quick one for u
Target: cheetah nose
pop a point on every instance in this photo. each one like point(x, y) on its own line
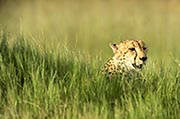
point(143, 58)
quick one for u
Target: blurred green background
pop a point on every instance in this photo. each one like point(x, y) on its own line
point(89, 25)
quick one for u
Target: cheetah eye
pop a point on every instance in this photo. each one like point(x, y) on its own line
point(132, 49)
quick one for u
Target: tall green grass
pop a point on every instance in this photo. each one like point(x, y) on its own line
point(47, 84)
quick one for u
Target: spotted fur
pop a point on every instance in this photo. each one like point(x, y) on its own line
point(129, 56)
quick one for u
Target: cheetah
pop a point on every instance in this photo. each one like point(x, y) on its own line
point(129, 56)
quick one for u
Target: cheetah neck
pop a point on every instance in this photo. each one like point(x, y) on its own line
point(119, 64)
point(115, 66)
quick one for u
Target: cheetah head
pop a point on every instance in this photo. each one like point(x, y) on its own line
point(131, 53)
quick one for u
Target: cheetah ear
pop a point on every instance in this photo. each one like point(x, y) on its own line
point(113, 46)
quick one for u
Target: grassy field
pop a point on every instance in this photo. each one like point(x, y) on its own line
point(51, 54)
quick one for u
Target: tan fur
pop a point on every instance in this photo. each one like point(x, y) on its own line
point(128, 56)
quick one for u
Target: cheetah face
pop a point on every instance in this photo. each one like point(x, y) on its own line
point(131, 53)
